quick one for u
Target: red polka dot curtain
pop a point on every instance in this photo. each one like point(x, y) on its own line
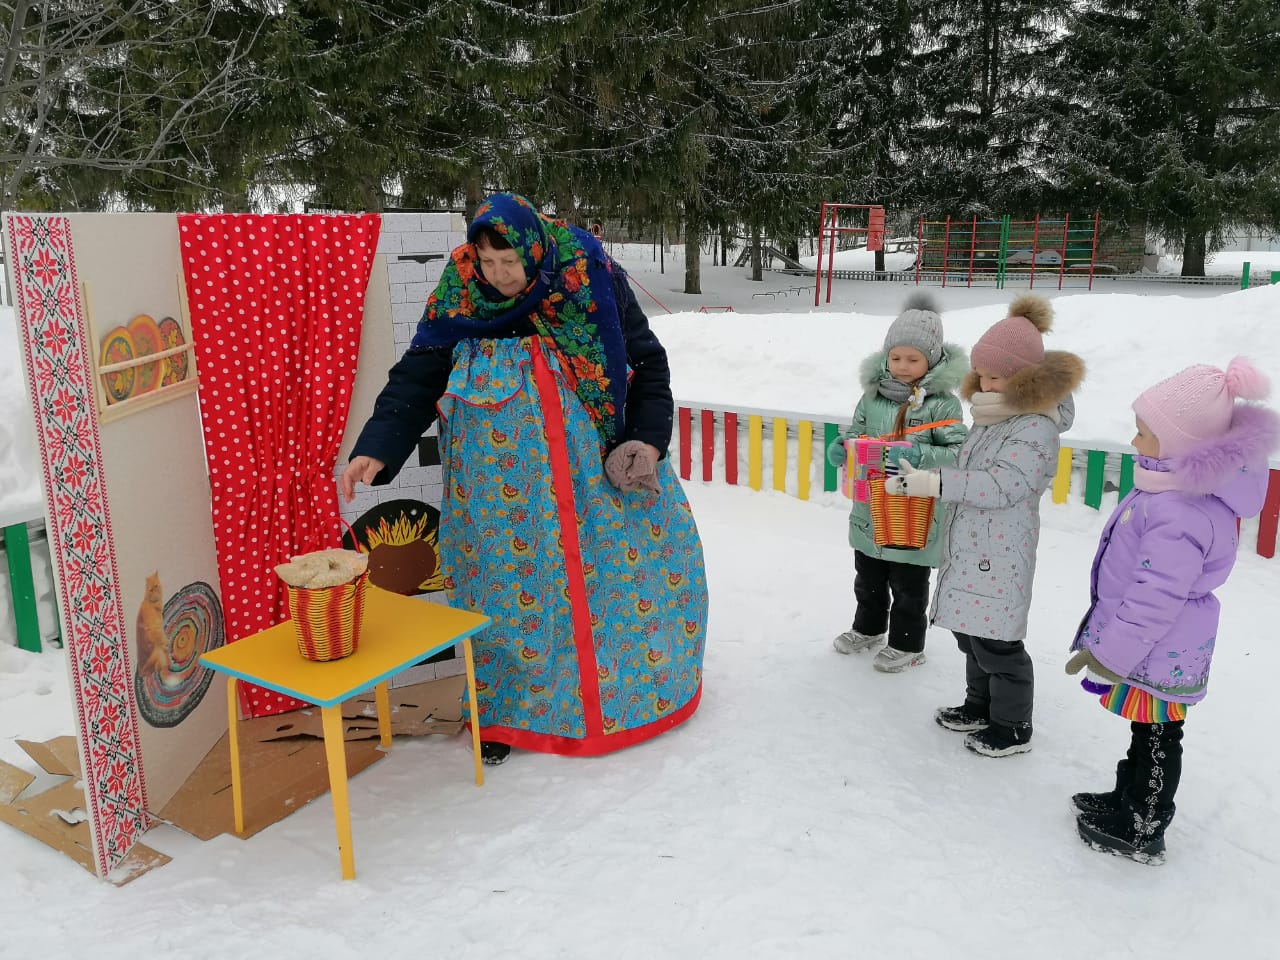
point(276, 304)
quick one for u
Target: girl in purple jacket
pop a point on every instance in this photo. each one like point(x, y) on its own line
point(1148, 638)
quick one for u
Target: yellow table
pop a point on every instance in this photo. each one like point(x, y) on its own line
point(398, 632)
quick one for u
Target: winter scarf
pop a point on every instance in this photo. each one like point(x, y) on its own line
point(989, 408)
point(1039, 389)
point(899, 391)
point(569, 300)
point(1154, 476)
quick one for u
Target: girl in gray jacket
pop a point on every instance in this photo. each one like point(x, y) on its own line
point(1021, 400)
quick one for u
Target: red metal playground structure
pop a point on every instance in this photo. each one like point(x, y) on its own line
point(966, 251)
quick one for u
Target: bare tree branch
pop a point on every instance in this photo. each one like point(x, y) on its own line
point(114, 86)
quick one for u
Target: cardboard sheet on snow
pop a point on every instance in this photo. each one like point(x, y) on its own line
point(283, 764)
point(56, 816)
point(279, 777)
point(417, 710)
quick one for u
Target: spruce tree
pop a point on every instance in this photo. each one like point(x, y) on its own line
point(767, 166)
point(1169, 110)
point(867, 87)
point(977, 71)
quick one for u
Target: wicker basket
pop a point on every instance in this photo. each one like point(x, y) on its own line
point(327, 620)
point(899, 522)
point(866, 460)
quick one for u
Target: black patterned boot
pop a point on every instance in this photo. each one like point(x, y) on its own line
point(1136, 830)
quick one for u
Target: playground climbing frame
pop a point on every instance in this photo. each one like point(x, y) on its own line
point(985, 251)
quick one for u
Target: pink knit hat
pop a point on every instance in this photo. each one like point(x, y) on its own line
point(1016, 342)
point(1197, 404)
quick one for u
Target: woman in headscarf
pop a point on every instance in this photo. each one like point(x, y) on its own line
point(561, 518)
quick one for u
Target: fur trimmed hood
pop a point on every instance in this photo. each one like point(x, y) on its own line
point(945, 376)
point(1038, 389)
point(1234, 466)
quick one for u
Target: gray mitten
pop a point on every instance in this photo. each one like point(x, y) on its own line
point(633, 465)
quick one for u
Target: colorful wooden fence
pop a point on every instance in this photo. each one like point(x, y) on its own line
point(790, 448)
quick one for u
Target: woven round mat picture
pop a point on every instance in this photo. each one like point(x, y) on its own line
point(169, 681)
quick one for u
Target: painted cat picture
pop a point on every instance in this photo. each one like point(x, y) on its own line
point(153, 647)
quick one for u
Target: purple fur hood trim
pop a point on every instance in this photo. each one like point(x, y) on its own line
point(1216, 467)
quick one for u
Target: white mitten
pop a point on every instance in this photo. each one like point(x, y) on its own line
point(914, 482)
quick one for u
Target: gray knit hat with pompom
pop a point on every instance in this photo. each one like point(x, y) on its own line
point(918, 325)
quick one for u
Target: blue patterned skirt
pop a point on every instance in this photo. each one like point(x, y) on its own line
point(598, 598)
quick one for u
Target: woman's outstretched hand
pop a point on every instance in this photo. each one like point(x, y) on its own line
point(359, 470)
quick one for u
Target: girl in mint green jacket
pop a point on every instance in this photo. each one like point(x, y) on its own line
point(908, 385)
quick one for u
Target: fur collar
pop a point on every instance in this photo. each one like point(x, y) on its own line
point(1037, 389)
point(1253, 435)
point(945, 376)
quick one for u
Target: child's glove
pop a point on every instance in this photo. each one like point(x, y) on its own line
point(914, 483)
point(837, 455)
point(633, 465)
point(1097, 678)
point(911, 454)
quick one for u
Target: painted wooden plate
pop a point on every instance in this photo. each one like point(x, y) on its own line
point(117, 346)
point(175, 367)
point(146, 339)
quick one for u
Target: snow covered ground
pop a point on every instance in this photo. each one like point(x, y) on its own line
point(811, 809)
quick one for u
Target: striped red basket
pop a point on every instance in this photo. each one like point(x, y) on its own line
point(327, 620)
point(901, 522)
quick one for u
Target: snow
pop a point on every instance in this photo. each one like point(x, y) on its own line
point(20, 496)
point(811, 808)
point(1229, 263)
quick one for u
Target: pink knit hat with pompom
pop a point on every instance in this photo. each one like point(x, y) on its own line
point(1197, 404)
point(1017, 341)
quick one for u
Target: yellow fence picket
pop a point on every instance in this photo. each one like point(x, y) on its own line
point(755, 452)
point(805, 433)
point(1062, 479)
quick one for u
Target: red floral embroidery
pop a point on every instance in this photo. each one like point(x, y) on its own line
point(49, 318)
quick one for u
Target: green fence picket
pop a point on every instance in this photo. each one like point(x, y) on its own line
point(1126, 474)
point(17, 550)
point(830, 474)
point(1095, 464)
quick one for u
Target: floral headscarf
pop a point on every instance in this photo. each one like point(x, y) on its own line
point(569, 300)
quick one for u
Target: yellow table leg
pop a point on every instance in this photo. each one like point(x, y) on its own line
point(382, 696)
point(336, 751)
point(233, 737)
point(475, 709)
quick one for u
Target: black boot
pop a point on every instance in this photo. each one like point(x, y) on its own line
point(494, 753)
point(1000, 740)
point(964, 718)
point(1136, 830)
point(1108, 802)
